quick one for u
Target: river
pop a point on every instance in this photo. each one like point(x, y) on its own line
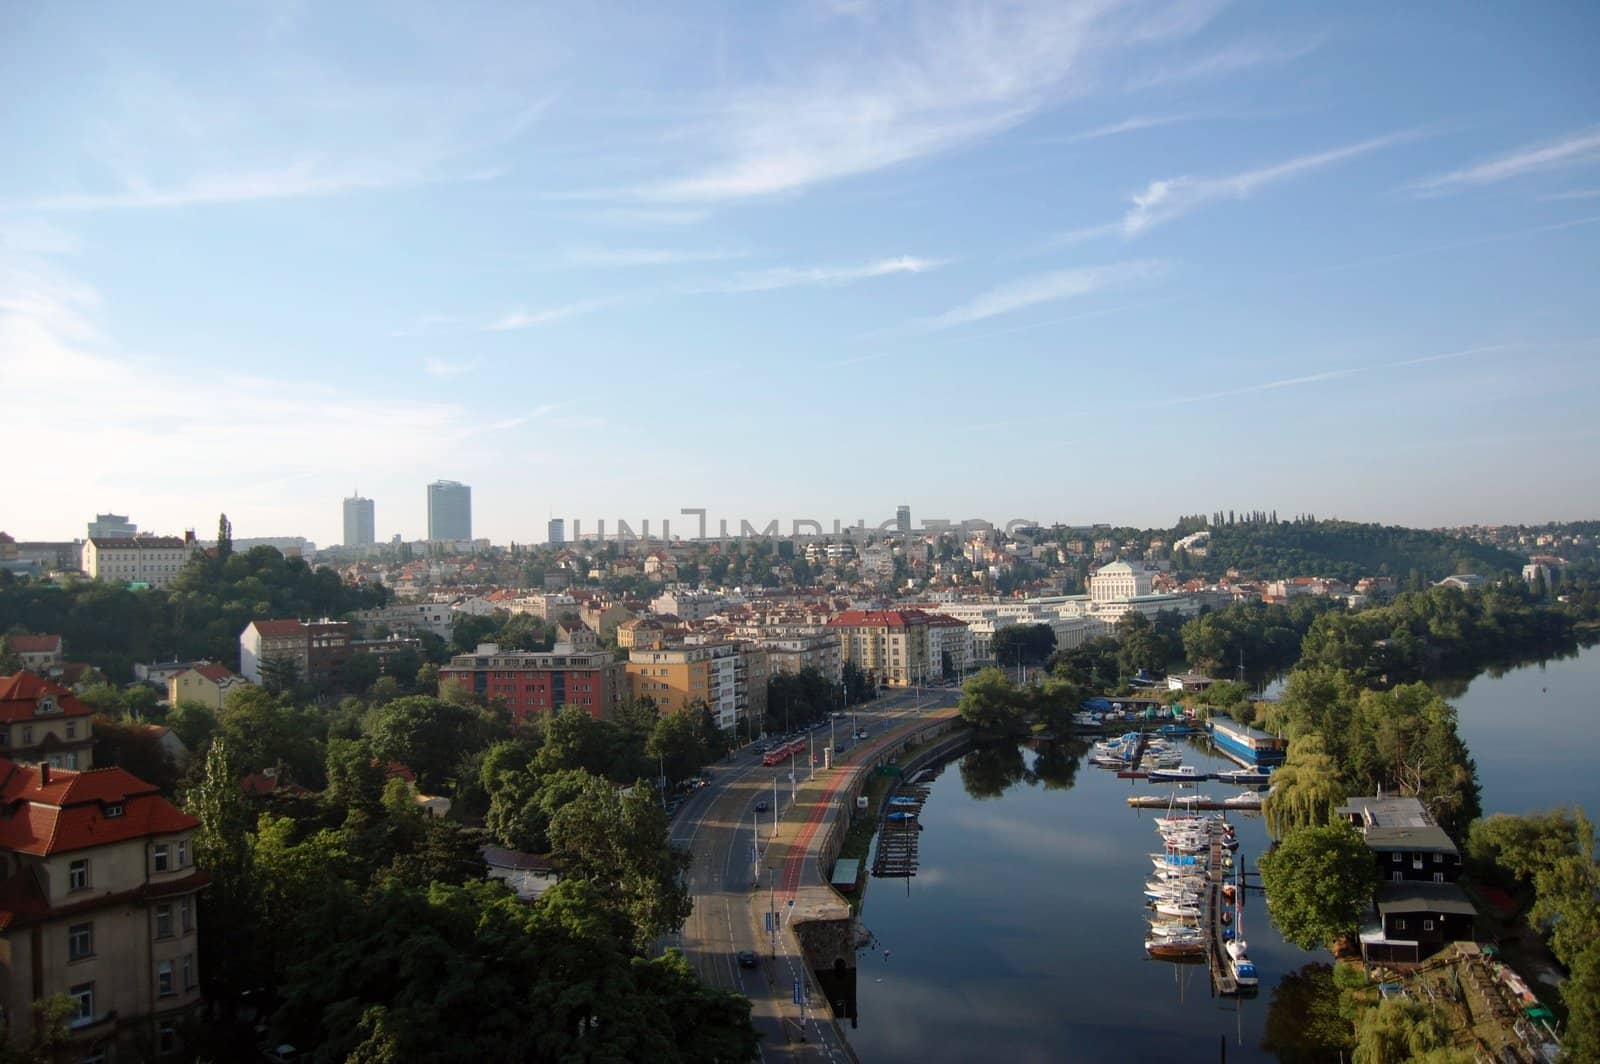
point(1021, 936)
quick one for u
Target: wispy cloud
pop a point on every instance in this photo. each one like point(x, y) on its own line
point(942, 78)
point(438, 367)
point(1574, 194)
point(625, 257)
point(295, 180)
point(524, 319)
point(1572, 150)
point(1046, 288)
point(1171, 198)
point(793, 277)
point(1233, 59)
point(1117, 129)
point(1328, 375)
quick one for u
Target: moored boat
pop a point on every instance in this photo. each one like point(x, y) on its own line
point(1181, 774)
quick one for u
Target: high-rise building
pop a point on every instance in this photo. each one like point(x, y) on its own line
point(558, 532)
point(902, 519)
point(112, 526)
point(359, 527)
point(449, 510)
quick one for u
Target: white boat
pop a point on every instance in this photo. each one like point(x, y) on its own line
point(1183, 909)
point(1193, 799)
point(1180, 774)
point(1173, 930)
point(1243, 800)
point(1163, 861)
point(1176, 895)
point(1245, 777)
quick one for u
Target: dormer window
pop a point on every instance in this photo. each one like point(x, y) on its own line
point(47, 704)
point(113, 810)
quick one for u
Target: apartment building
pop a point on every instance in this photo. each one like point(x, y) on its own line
point(317, 649)
point(98, 903)
point(408, 618)
point(676, 676)
point(153, 560)
point(797, 652)
point(44, 723)
point(892, 646)
point(536, 683)
point(688, 605)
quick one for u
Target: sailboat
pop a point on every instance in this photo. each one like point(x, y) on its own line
point(1238, 950)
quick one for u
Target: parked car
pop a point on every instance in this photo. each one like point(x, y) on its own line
point(761, 806)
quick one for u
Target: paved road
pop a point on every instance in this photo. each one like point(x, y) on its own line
point(733, 889)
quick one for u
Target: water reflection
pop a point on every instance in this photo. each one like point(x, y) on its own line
point(1304, 1025)
point(991, 769)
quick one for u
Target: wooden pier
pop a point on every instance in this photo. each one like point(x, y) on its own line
point(1221, 972)
point(896, 857)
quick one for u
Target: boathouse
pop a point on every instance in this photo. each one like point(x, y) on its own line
point(1415, 919)
point(1249, 746)
point(1407, 845)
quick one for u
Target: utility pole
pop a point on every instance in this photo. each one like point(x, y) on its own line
point(772, 909)
point(813, 738)
point(774, 806)
point(755, 847)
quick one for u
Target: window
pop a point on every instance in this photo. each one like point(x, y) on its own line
point(80, 942)
point(163, 921)
point(27, 735)
point(164, 985)
point(78, 875)
point(82, 997)
point(72, 729)
point(1427, 925)
point(186, 913)
point(113, 810)
point(163, 855)
point(188, 971)
point(1438, 858)
point(1438, 877)
point(1399, 925)
point(1395, 857)
point(183, 855)
point(166, 1039)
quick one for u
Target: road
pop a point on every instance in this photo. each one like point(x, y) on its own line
point(733, 889)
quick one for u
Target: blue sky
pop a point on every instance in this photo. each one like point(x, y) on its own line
point(1113, 261)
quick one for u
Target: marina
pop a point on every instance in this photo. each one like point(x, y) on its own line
point(896, 856)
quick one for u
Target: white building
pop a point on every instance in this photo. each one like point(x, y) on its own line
point(1121, 581)
point(878, 560)
point(408, 618)
point(688, 605)
point(153, 560)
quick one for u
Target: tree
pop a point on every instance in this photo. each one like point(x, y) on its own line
point(137, 749)
point(1026, 644)
point(1399, 1030)
point(427, 735)
point(355, 779)
point(49, 1037)
point(675, 744)
point(194, 724)
point(1320, 880)
point(279, 674)
point(617, 842)
point(227, 909)
point(992, 705)
point(224, 540)
point(1306, 788)
point(359, 672)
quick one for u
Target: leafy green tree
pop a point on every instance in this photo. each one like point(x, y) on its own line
point(992, 705)
point(49, 1036)
point(355, 779)
point(427, 735)
point(194, 724)
point(279, 674)
point(1400, 1030)
point(1026, 644)
point(675, 744)
point(617, 842)
point(359, 672)
point(228, 964)
point(1306, 788)
point(1321, 880)
point(266, 731)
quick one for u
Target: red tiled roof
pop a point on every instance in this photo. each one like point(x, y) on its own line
point(69, 812)
point(34, 644)
point(278, 627)
point(19, 698)
point(216, 673)
point(878, 619)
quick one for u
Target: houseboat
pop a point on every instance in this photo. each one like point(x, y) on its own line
point(1249, 746)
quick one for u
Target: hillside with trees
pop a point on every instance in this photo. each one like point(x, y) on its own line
point(1271, 549)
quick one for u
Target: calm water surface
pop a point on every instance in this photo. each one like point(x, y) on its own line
point(1021, 937)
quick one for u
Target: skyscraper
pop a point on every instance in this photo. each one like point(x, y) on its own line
point(902, 519)
point(449, 510)
point(557, 532)
point(359, 528)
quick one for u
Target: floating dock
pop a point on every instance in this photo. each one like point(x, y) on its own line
point(1187, 803)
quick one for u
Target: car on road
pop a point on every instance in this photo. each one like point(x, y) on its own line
point(747, 958)
point(861, 734)
point(839, 749)
point(761, 806)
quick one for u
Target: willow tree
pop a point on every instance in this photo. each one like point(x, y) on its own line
point(1305, 789)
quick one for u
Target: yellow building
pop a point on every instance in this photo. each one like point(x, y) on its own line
point(205, 684)
point(677, 676)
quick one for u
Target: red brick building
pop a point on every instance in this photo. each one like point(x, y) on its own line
point(536, 683)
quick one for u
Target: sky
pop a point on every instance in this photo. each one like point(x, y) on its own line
point(1109, 261)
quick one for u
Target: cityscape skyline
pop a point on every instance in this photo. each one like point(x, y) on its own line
point(1150, 248)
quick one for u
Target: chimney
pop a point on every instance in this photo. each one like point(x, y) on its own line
point(44, 773)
